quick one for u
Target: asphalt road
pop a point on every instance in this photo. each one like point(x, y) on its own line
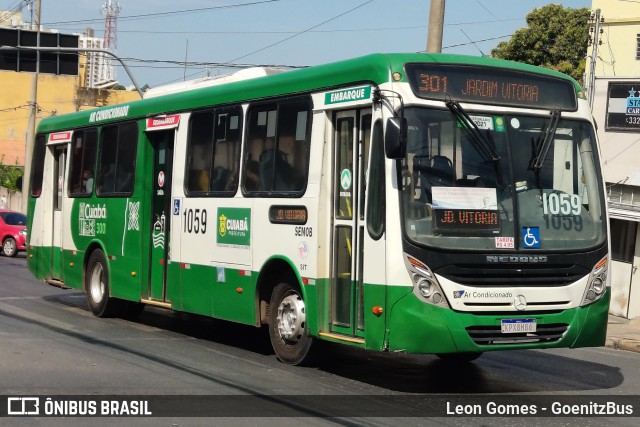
point(51, 345)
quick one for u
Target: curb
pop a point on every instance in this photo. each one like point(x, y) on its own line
point(623, 344)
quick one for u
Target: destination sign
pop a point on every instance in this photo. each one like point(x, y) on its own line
point(488, 85)
point(288, 214)
point(467, 220)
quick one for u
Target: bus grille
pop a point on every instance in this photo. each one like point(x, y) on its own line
point(522, 275)
point(491, 335)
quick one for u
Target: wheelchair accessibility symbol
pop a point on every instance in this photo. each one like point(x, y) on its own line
point(531, 237)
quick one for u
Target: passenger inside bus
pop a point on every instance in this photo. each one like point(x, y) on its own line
point(87, 181)
point(198, 180)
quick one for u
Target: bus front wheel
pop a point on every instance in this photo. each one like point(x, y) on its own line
point(97, 285)
point(288, 326)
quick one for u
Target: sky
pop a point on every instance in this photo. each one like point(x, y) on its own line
point(158, 36)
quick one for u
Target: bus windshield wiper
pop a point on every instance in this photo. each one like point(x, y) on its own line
point(485, 146)
point(543, 147)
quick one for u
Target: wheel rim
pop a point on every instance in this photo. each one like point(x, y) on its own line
point(8, 247)
point(291, 318)
point(96, 284)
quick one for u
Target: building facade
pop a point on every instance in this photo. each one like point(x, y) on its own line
point(83, 88)
point(615, 94)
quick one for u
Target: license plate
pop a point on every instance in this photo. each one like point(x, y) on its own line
point(517, 326)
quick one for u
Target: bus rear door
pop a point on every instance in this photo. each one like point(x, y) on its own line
point(161, 133)
point(59, 185)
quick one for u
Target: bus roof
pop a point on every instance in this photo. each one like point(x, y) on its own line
point(375, 68)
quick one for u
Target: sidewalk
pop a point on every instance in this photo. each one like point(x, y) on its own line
point(623, 334)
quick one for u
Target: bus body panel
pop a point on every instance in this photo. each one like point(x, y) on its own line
point(224, 252)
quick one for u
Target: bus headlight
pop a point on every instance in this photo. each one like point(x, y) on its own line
point(597, 282)
point(425, 284)
point(425, 287)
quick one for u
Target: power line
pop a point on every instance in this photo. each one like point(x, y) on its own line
point(161, 14)
point(475, 41)
point(337, 30)
point(485, 8)
point(301, 32)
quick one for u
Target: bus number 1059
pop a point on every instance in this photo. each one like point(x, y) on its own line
point(195, 220)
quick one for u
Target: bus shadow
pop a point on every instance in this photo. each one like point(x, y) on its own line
point(516, 371)
point(192, 325)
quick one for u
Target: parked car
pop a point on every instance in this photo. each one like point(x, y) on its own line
point(13, 232)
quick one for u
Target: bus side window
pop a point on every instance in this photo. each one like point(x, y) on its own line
point(199, 150)
point(226, 151)
point(277, 149)
point(116, 168)
point(213, 149)
point(83, 162)
point(37, 168)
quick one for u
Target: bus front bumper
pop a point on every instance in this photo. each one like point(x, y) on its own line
point(417, 327)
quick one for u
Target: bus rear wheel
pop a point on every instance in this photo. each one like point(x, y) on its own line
point(288, 325)
point(97, 286)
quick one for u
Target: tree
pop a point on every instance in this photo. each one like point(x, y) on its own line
point(9, 174)
point(555, 38)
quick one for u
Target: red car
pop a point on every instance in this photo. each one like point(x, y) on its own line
point(13, 232)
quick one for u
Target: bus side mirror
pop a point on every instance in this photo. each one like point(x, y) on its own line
point(395, 138)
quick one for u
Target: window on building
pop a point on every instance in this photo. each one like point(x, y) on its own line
point(638, 46)
point(116, 168)
point(623, 240)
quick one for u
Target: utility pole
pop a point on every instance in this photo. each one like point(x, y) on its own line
point(436, 25)
point(31, 126)
point(594, 57)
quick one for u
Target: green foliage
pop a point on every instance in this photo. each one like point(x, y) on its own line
point(9, 174)
point(555, 38)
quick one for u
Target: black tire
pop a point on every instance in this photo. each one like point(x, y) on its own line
point(10, 247)
point(96, 284)
point(288, 330)
point(459, 357)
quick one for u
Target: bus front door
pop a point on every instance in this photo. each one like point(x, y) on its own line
point(351, 142)
point(59, 167)
point(162, 145)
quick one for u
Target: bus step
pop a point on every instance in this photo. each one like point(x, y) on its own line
point(155, 303)
point(57, 283)
point(340, 337)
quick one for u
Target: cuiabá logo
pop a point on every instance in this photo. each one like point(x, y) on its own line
point(93, 212)
point(234, 226)
point(223, 225)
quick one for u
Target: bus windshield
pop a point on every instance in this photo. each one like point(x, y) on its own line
point(513, 182)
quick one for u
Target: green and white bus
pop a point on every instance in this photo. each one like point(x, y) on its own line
point(420, 203)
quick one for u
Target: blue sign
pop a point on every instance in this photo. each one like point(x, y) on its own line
point(176, 206)
point(531, 237)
